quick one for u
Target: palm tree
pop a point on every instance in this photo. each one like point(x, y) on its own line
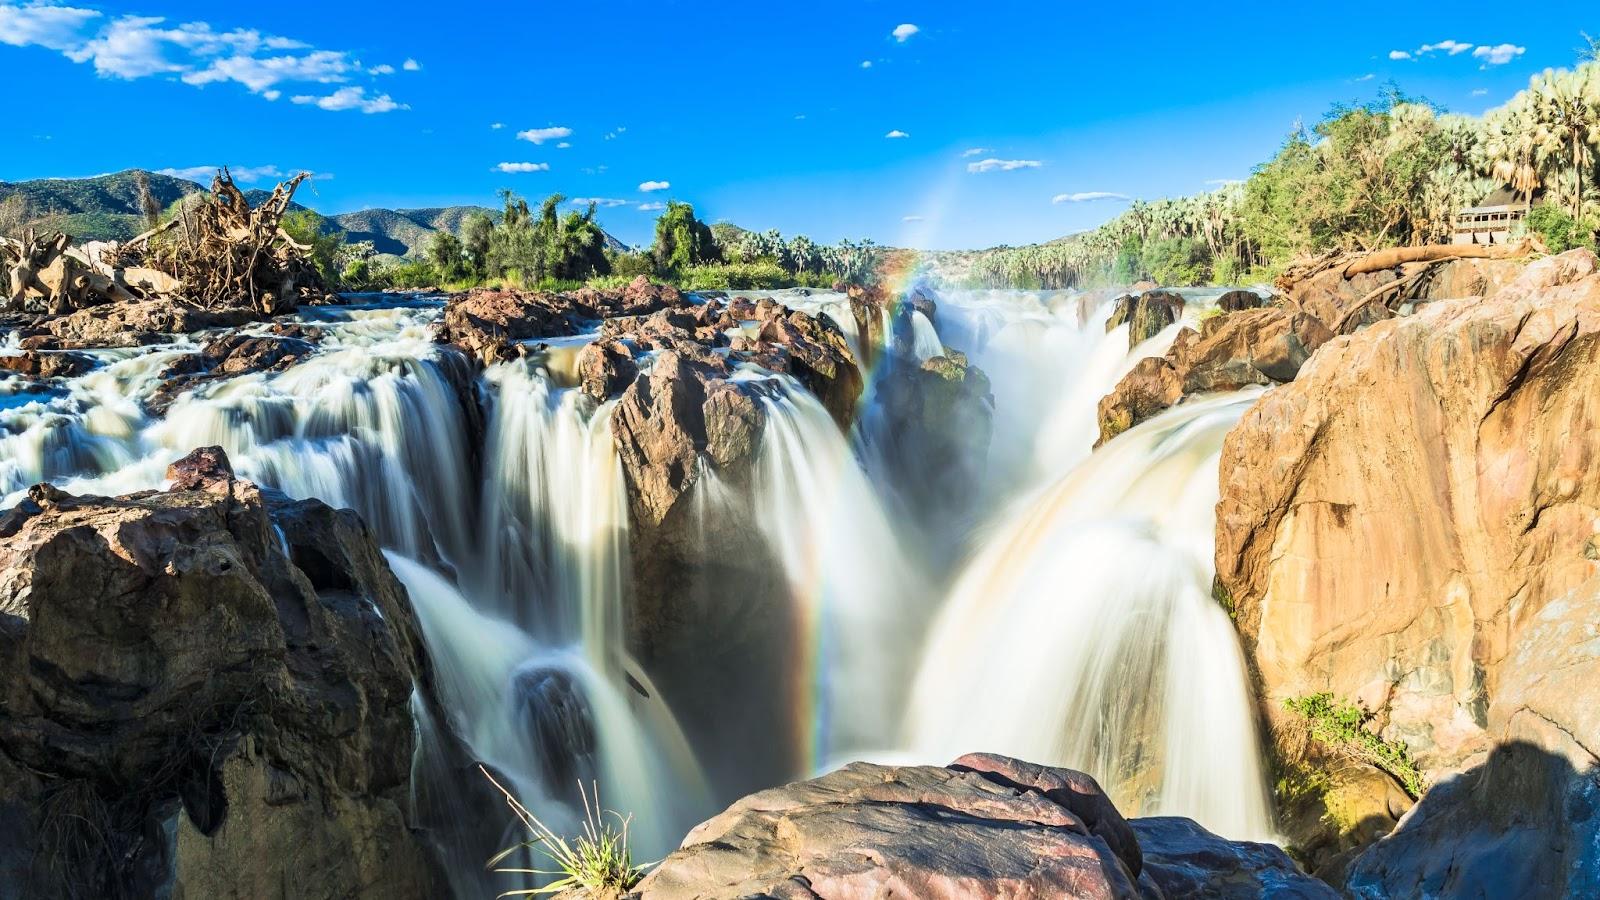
point(1565, 109)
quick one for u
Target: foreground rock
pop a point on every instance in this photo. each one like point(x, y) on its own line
point(495, 325)
point(984, 827)
point(1145, 315)
point(1411, 527)
point(206, 693)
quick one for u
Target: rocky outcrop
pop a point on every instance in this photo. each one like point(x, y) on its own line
point(226, 356)
point(1258, 346)
point(934, 418)
point(1145, 315)
point(1236, 300)
point(46, 364)
point(1347, 304)
point(1411, 527)
point(494, 325)
point(206, 693)
point(134, 324)
point(606, 368)
point(984, 827)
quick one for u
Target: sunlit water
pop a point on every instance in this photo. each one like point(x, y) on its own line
point(1072, 624)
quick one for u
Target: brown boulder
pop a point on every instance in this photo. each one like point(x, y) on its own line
point(1395, 523)
point(1145, 315)
point(209, 690)
point(48, 364)
point(1236, 300)
point(140, 323)
point(984, 827)
point(605, 368)
point(489, 324)
point(1153, 386)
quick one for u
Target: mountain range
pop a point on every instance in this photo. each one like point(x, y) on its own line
point(106, 207)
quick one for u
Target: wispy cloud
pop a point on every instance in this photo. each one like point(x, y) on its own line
point(866, 64)
point(1450, 47)
point(911, 218)
point(652, 207)
point(606, 202)
point(1479, 92)
point(564, 145)
point(540, 135)
point(1088, 196)
point(903, 33)
point(1367, 77)
point(1399, 54)
point(351, 97)
point(131, 47)
point(897, 134)
point(241, 174)
point(412, 65)
point(617, 132)
point(497, 126)
point(1002, 165)
point(523, 167)
point(649, 186)
point(1219, 182)
point(1498, 55)
point(974, 151)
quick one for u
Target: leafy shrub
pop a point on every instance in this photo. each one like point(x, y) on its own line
point(1559, 230)
point(1342, 728)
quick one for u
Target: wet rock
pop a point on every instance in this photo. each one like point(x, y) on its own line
point(48, 364)
point(1395, 525)
point(1234, 301)
point(197, 710)
point(137, 324)
point(605, 368)
point(934, 418)
point(816, 353)
point(1183, 860)
point(1145, 315)
point(489, 324)
point(984, 827)
point(206, 468)
point(551, 706)
point(1262, 346)
point(229, 355)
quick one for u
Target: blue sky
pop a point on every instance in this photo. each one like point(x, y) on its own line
point(1018, 118)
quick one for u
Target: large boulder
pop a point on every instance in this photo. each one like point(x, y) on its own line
point(984, 827)
point(136, 323)
point(206, 693)
point(490, 325)
point(1145, 315)
point(1398, 524)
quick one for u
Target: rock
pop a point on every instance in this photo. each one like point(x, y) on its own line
point(141, 323)
point(48, 364)
point(984, 827)
point(605, 368)
point(209, 692)
point(1346, 305)
point(935, 419)
point(1184, 860)
point(228, 355)
point(1145, 315)
point(1261, 346)
point(1394, 524)
point(489, 324)
point(815, 352)
point(1234, 301)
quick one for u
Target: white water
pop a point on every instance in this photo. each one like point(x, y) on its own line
point(1079, 630)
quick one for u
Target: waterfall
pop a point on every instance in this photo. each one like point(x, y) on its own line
point(1083, 634)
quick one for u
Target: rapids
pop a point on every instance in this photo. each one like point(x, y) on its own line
point(1063, 616)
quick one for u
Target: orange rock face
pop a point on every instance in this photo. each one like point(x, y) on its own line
point(1395, 522)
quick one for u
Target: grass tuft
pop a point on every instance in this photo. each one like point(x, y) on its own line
point(597, 862)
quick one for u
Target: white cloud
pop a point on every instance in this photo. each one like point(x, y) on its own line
point(1498, 55)
point(1450, 47)
point(1087, 196)
point(652, 207)
point(131, 47)
point(497, 126)
point(1479, 92)
point(617, 132)
point(974, 151)
point(866, 64)
point(897, 134)
point(540, 135)
point(649, 186)
point(564, 145)
point(57, 28)
point(1399, 54)
point(903, 33)
point(241, 174)
point(523, 167)
point(1002, 165)
point(1218, 182)
point(1367, 77)
point(351, 98)
point(911, 218)
point(411, 65)
point(606, 202)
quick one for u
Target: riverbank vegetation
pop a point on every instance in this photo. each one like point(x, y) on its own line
point(1395, 171)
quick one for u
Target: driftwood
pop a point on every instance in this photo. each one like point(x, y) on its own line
point(1396, 256)
point(222, 254)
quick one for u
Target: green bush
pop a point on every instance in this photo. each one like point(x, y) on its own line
point(1559, 230)
point(1342, 728)
point(736, 277)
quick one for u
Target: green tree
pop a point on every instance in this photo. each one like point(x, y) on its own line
point(323, 239)
point(682, 240)
point(445, 254)
point(477, 232)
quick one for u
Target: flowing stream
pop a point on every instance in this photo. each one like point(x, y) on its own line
point(1067, 621)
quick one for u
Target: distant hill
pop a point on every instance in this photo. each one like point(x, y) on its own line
point(106, 208)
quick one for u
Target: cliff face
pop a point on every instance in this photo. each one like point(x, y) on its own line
point(1411, 525)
